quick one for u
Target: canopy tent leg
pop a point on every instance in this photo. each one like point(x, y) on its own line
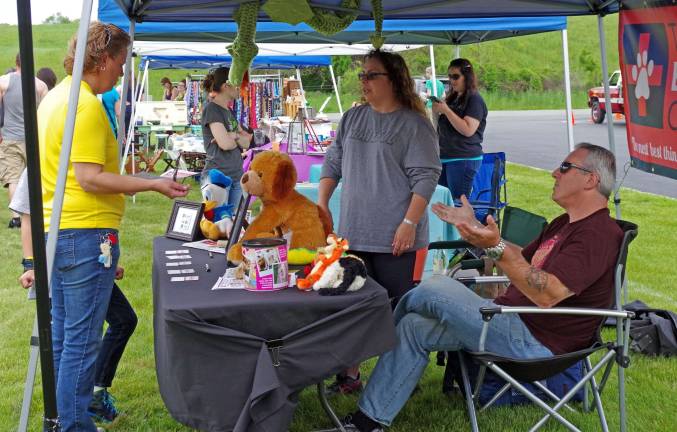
point(336, 92)
point(567, 90)
point(44, 257)
point(303, 93)
point(125, 85)
point(607, 106)
point(142, 90)
point(433, 83)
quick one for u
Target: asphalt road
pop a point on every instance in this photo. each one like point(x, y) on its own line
point(538, 139)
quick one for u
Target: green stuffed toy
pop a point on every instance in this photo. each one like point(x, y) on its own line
point(244, 49)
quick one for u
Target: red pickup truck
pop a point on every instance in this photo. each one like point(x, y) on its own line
point(597, 101)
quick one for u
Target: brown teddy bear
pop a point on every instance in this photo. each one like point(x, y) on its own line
point(272, 177)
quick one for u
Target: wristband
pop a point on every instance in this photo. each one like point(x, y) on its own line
point(408, 222)
point(27, 263)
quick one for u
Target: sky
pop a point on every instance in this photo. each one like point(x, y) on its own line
point(41, 9)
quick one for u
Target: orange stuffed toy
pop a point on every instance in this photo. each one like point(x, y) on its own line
point(326, 256)
point(272, 177)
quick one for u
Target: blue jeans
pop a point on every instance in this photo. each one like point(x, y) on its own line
point(458, 176)
point(441, 314)
point(121, 320)
point(81, 290)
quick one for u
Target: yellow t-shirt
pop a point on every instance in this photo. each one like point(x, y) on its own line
point(93, 142)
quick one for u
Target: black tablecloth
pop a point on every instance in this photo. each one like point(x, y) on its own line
point(235, 360)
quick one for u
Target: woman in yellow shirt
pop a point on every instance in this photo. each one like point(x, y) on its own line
point(87, 249)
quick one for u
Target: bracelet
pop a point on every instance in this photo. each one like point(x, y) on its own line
point(408, 222)
point(27, 263)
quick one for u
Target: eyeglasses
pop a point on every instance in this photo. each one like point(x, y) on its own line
point(454, 77)
point(370, 76)
point(565, 166)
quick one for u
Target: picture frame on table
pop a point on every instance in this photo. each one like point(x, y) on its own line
point(184, 221)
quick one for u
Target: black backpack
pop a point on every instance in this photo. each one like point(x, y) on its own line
point(654, 332)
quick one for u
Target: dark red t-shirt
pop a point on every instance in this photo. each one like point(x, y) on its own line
point(582, 255)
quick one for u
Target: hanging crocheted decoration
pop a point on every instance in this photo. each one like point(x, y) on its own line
point(244, 49)
point(288, 11)
point(377, 39)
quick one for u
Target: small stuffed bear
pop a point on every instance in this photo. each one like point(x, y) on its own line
point(272, 178)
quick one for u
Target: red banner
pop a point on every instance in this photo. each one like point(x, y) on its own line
point(648, 57)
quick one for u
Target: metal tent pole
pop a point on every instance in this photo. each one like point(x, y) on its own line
point(458, 51)
point(44, 257)
point(433, 82)
point(607, 107)
point(567, 90)
point(303, 95)
point(125, 84)
point(333, 83)
point(33, 356)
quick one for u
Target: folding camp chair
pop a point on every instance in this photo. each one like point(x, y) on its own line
point(515, 370)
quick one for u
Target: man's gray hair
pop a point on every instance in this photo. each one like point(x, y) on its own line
point(602, 162)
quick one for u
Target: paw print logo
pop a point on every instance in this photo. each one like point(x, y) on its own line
point(641, 72)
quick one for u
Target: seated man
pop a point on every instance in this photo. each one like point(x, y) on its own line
point(571, 264)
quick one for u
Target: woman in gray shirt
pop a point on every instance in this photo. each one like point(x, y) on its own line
point(224, 139)
point(387, 156)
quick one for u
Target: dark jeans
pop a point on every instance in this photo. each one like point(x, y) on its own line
point(394, 273)
point(459, 175)
point(121, 321)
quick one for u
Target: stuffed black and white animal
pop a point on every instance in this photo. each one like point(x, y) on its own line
point(347, 274)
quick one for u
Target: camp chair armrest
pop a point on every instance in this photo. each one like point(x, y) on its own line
point(489, 311)
point(479, 280)
point(450, 244)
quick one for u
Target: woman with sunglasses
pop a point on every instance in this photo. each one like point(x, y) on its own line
point(386, 155)
point(223, 137)
point(462, 119)
point(87, 248)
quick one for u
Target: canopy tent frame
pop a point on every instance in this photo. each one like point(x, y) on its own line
point(138, 11)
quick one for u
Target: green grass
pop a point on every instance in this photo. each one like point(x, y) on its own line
point(650, 382)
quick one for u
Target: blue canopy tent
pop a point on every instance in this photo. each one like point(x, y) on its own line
point(202, 13)
point(219, 11)
point(208, 62)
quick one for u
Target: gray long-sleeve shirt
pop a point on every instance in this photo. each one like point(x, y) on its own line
point(382, 159)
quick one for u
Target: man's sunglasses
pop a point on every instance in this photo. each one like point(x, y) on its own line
point(454, 77)
point(370, 76)
point(566, 166)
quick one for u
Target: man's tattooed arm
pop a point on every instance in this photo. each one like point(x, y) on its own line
point(536, 278)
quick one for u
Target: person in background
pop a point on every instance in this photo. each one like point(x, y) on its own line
point(429, 92)
point(181, 90)
point(223, 137)
point(47, 76)
point(386, 154)
point(461, 122)
point(87, 247)
point(169, 91)
point(111, 105)
point(12, 138)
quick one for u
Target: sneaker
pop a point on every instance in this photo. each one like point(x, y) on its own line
point(14, 223)
point(350, 426)
point(344, 385)
point(102, 408)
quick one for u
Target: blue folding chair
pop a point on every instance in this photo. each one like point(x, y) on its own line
point(486, 197)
